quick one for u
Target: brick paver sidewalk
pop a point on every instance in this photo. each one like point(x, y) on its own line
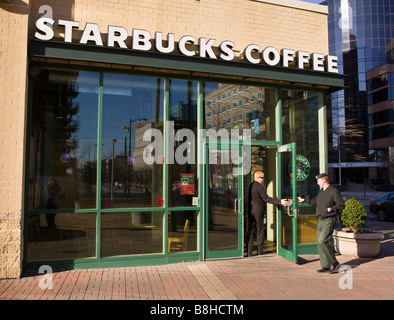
point(265, 277)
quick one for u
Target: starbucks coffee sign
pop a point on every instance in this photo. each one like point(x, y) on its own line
point(188, 45)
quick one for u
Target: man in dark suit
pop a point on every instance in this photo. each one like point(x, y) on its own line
point(256, 208)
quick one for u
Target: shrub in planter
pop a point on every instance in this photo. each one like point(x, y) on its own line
point(353, 216)
point(353, 240)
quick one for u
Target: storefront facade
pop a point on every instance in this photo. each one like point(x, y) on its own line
point(141, 124)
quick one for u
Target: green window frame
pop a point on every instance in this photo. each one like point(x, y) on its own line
point(101, 61)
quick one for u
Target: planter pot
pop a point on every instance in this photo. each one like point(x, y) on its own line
point(362, 245)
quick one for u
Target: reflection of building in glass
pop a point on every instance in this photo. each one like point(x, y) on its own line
point(239, 107)
point(183, 111)
point(137, 159)
point(362, 115)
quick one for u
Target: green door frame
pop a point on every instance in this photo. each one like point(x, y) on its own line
point(292, 252)
point(241, 195)
point(223, 145)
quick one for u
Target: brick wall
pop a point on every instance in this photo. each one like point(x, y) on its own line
point(13, 62)
point(244, 22)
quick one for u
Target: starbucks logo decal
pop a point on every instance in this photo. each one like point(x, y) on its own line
point(302, 169)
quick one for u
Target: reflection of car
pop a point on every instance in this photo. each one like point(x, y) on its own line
point(383, 206)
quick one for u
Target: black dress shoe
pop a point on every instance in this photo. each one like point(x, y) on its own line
point(323, 270)
point(334, 268)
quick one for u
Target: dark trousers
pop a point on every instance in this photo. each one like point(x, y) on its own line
point(325, 227)
point(255, 220)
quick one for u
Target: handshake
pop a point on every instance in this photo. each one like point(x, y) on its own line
point(286, 202)
point(300, 200)
point(289, 202)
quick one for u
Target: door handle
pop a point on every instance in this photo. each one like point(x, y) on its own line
point(290, 212)
point(239, 205)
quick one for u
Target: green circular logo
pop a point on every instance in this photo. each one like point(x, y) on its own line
point(302, 169)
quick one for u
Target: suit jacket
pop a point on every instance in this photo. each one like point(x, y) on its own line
point(257, 199)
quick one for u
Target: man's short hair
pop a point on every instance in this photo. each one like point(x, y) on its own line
point(322, 176)
point(258, 174)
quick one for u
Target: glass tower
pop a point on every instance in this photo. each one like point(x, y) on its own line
point(361, 123)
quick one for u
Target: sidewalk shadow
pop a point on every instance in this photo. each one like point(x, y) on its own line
point(356, 262)
point(386, 247)
point(386, 250)
point(307, 259)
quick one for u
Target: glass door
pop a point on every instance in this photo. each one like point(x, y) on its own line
point(287, 216)
point(224, 200)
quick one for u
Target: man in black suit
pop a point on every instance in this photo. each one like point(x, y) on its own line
point(256, 208)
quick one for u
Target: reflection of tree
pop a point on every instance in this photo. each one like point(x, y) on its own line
point(68, 125)
point(62, 152)
point(349, 141)
point(258, 155)
point(223, 183)
point(140, 179)
point(67, 107)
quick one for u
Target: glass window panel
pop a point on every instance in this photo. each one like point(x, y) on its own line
point(378, 82)
point(378, 96)
point(182, 231)
point(300, 125)
point(259, 103)
point(306, 225)
point(182, 170)
point(391, 93)
point(72, 237)
point(382, 132)
point(128, 233)
point(286, 192)
point(222, 223)
point(381, 117)
point(63, 140)
point(132, 106)
point(362, 86)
